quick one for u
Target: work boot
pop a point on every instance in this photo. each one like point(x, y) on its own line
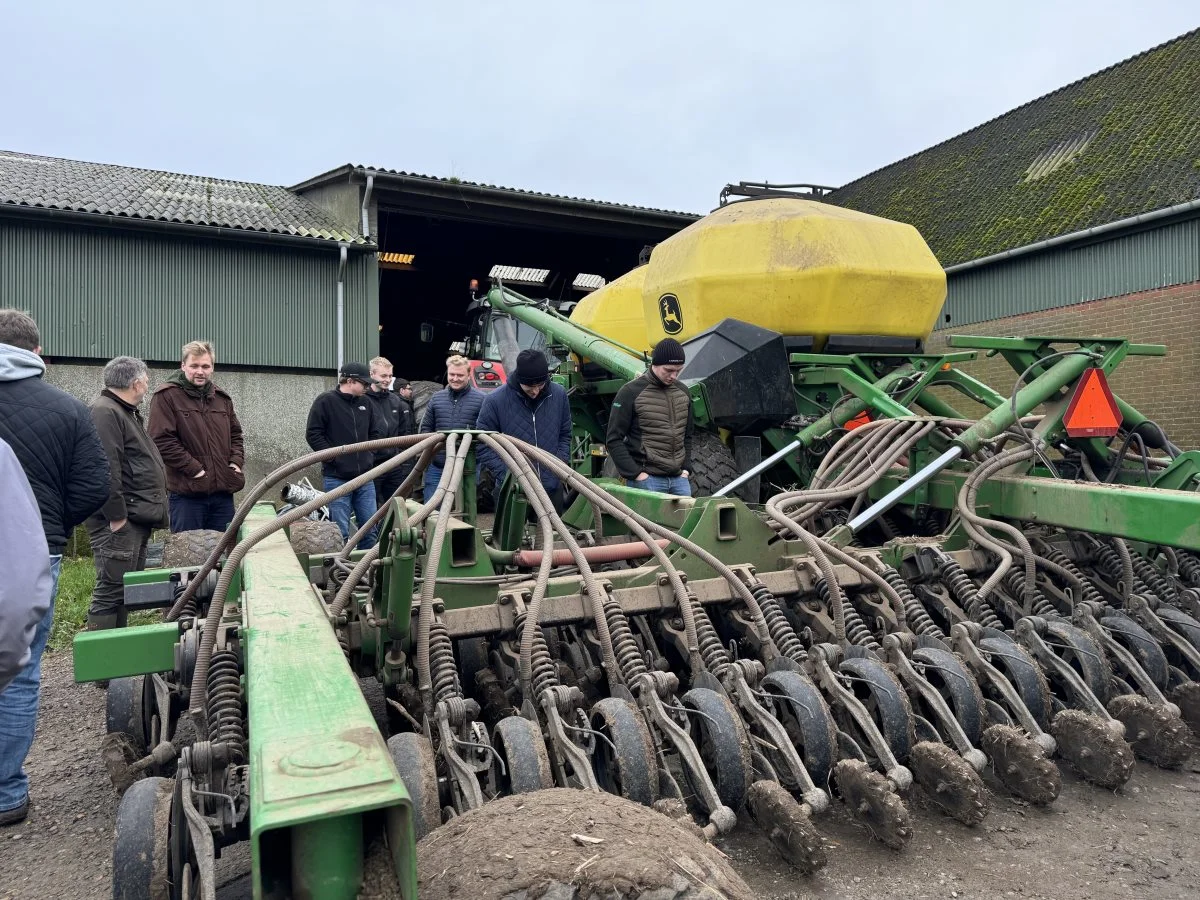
point(102, 622)
point(15, 815)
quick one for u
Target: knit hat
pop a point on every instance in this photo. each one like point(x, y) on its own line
point(532, 367)
point(356, 372)
point(668, 352)
point(399, 383)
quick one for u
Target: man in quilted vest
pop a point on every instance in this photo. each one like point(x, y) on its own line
point(650, 426)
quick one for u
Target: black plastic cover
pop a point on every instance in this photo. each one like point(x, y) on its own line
point(872, 343)
point(745, 371)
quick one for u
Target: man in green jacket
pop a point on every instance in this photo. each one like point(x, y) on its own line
point(137, 489)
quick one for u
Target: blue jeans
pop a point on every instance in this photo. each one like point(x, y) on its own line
point(19, 709)
point(665, 484)
point(433, 474)
point(212, 511)
point(362, 501)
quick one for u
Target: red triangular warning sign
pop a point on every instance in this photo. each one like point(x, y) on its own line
point(1092, 411)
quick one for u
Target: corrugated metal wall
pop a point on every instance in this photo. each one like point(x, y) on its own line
point(1156, 258)
point(99, 293)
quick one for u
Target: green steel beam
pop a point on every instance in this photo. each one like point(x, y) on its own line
point(122, 652)
point(1133, 513)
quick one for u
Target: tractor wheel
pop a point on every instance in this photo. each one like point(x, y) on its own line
point(421, 392)
point(188, 549)
point(714, 464)
point(413, 757)
point(315, 538)
point(571, 844)
point(140, 869)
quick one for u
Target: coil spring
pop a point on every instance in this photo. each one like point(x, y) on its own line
point(441, 663)
point(856, 629)
point(965, 593)
point(189, 608)
point(1153, 579)
point(1057, 556)
point(1015, 580)
point(225, 702)
point(544, 669)
point(716, 659)
point(914, 610)
point(625, 648)
point(1109, 561)
point(888, 526)
point(1189, 568)
point(929, 521)
point(780, 629)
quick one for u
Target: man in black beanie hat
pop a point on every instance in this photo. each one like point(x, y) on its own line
point(650, 426)
point(536, 410)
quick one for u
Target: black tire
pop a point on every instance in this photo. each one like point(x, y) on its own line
point(885, 699)
point(808, 722)
point(421, 392)
point(124, 713)
point(721, 738)
point(520, 746)
point(1084, 655)
point(140, 867)
point(412, 754)
point(952, 679)
point(1145, 649)
point(188, 549)
point(315, 538)
point(628, 767)
point(714, 464)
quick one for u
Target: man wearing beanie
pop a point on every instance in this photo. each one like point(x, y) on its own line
point(650, 426)
point(534, 409)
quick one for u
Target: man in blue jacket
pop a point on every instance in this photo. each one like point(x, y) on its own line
point(455, 407)
point(536, 410)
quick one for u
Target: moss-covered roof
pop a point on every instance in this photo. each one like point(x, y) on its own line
point(1115, 144)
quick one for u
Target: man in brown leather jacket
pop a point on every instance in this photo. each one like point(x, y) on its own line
point(137, 492)
point(198, 434)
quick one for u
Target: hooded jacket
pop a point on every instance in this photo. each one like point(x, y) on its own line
point(138, 479)
point(25, 589)
point(196, 430)
point(336, 419)
point(544, 422)
point(54, 439)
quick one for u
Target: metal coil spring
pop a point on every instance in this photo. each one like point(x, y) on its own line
point(224, 687)
point(963, 589)
point(1014, 579)
point(918, 617)
point(929, 521)
point(542, 665)
point(985, 614)
point(189, 608)
point(625, 648)
point(780, 629)
point(1057, 556)
point(1189, 568)
point(442, 669)
point(712, 651)
point(888, 526)
point(856, 629)
point(1109, 561)
point(1153, 578)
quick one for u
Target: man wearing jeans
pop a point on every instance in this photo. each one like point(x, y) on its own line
point(345, 416)
point(54, 439)
point(650, 426)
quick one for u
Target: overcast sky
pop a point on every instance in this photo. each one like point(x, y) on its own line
point(655, 103)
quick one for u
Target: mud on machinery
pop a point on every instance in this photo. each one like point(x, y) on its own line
point(934, 600)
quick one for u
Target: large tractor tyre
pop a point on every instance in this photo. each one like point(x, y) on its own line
point(140, 867)
point(315, 538)
point(189, 549)
point(570, 845)
point(714, 464)
point(421, 392)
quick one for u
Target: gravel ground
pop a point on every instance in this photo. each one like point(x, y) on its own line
point(1140, 842)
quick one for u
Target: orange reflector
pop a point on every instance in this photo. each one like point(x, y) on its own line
point(858, 421)
point(1092, 412)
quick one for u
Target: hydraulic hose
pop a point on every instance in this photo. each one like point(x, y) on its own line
point(403, 490)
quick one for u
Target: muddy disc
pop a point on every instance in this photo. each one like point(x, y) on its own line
point(1156, 734)
point(1021, 765)
point(1092, 749)
point(786, 825)
point(871, 800)
point(953, 786)
point(1187, 697)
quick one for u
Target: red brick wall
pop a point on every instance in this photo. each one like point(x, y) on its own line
point(1166, 389)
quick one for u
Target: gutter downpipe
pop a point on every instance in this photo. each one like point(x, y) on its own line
point(1177, 209)
point(366, 207)
point(341, 306)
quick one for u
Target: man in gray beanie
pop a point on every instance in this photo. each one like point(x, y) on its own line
point(650, 427)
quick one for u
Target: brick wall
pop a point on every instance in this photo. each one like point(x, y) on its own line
point(1165, 389)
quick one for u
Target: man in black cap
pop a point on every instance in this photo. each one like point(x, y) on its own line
point(650, 426)
point(345, 416)
point(536, 410)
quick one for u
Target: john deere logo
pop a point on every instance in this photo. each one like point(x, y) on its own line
point(670, 313)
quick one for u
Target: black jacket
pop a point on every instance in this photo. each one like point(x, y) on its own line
point(337, 418)
point(650, 428)
point(52, 435)
point(395, 418)
point(138, 478)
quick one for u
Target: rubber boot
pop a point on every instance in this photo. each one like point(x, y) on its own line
point(101, 622)
point(122, 617)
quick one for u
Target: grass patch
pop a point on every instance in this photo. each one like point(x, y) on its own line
point(75, 584)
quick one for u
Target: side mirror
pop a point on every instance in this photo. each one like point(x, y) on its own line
point(426, 333)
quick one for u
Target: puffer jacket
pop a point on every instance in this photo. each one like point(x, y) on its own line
point(196, 430)
point(448, 410)
point(53, 437)
point(544, 422)
point(138, 480)
point(650, 428)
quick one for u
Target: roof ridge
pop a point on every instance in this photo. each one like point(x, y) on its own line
point(1017, 109)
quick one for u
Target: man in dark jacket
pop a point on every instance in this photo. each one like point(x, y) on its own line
point(536, 410)
point(650, 426)
point(137, 493)
point(52, 435)
point(200, 439)
point(395, 418)
point(345, 416)
point(455, 407)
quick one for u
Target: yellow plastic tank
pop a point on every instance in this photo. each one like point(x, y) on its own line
point(615, 310)
point(794, 266)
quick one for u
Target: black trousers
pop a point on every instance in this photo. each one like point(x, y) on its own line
point(114, 553)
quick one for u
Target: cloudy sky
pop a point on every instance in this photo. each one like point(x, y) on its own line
point(655, 103)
